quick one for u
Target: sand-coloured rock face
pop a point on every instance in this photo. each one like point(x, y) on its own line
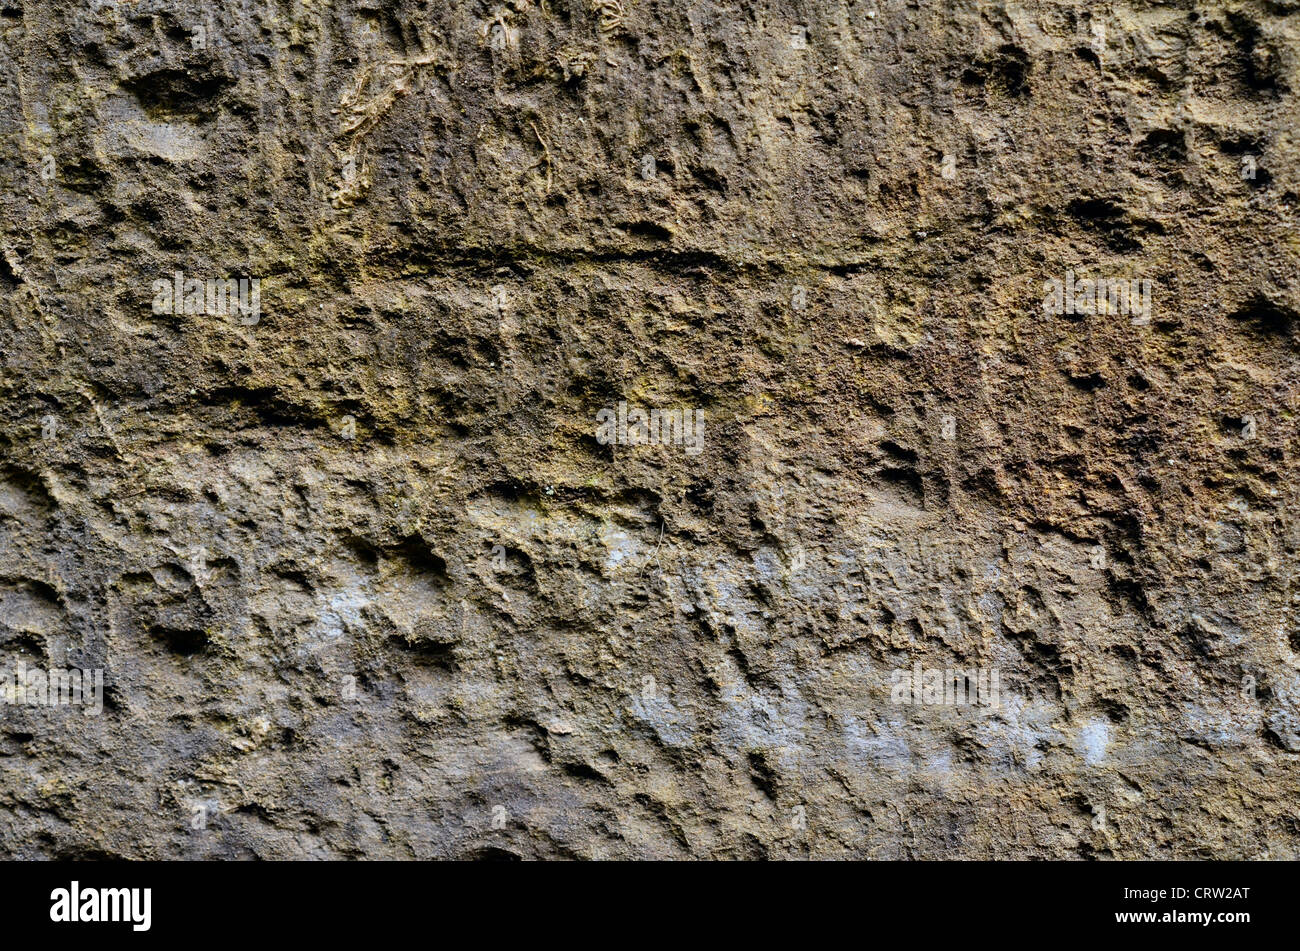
point(622, 428)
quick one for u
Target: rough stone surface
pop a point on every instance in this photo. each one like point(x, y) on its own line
point(362, 580)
